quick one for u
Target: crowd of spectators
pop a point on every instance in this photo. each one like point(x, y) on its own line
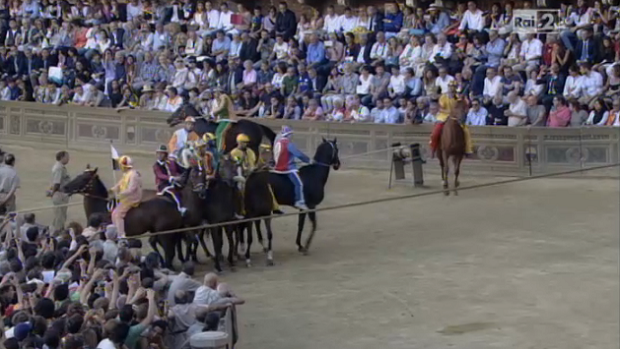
point(394, 64)
point(83, 289)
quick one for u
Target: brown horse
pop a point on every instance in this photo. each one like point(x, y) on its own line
point(452, 146)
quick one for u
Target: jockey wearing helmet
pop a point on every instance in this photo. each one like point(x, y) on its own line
point(129, 193)
point(183, 135)
point(447, 102)
point(246, 162)
point(285, 152)
point(209, 155)
point(168, 177)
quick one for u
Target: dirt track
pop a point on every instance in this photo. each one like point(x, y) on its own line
point(526, 265)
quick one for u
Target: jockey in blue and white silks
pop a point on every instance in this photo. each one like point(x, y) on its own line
point(285, 152)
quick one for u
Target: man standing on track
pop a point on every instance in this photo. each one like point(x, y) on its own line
point(60, 177)
point(9, 182)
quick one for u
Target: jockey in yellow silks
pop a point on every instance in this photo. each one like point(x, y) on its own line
point(182, 136)
point(246, 162)
point(447, 102)
point(129, 193)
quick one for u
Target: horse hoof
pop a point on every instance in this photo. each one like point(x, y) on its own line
point(300, 248)
point(446, 193)
point(270, 262)
point(456, 193)
point(265, 249)
point(305, 251)
point(248, 263)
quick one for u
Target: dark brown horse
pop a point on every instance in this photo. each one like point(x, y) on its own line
point(452, 147)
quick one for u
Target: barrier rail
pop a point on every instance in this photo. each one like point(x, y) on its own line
point(500, 150)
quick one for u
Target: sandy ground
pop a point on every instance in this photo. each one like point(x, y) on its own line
point(526, 265)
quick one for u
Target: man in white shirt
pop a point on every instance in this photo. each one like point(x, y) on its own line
point(492, 85)
point(443, 80)
point(473, 18)
point(390, 112)
point(134, 9)
point(531, 52)
point(442, 49)
point(477, 115)
point(379, 49)
point(280, 49)
point(225, 22)
point(397, 86)
point(591, 83)
point(348, 21)
point(331, 23)
point(573, 84)
point(517, 110)
point(161, 38)
point(213, 17)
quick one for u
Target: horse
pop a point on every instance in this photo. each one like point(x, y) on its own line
point(218, 204)
point(255, 131)
point(451, 147)
point(313, 176)
point(158, 213)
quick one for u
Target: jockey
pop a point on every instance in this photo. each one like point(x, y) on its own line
point(447, 102)
point(285, 153)
point(167, 177)
point(265, 162)
point(183, 135)
point(209, 155)
point(246, 162)
point(129, 193)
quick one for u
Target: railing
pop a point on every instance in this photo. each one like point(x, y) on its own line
point(501, 150)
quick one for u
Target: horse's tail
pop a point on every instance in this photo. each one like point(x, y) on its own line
point(268, 133)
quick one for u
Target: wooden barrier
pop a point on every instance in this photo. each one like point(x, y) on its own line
point(500, 150)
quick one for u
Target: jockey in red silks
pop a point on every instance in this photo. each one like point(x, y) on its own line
point(129, 193)
point(285, 152)
point(168, 177)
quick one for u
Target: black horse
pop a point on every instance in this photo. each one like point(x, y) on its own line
point(217, 205)
point(314, 177)
point(255, 131)
point(158, 213)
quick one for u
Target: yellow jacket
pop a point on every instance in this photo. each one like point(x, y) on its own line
point(246, 158)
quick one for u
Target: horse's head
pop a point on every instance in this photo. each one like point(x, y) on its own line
point(83, 183)
point(327, 154)
point(180, 114)
point(227, 169)
point(197, 181)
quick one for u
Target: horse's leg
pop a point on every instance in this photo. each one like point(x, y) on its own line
point(153, 242)
point(201, 240)
point(269, 238)
point(457, 171)
point(300, 229)
point(259, 234)
point(217, 246)
point(240, 244)
point(446, 171)
point(230, 231)
point(248, 261)
point(179, 247)
point(169, 254)
point(312, 216)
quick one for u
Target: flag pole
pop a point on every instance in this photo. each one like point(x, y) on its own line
point(114, 160)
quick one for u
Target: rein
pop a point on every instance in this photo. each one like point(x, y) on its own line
point(320, 163)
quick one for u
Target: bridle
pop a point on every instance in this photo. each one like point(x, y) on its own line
point(87, 187)
point(332, 157)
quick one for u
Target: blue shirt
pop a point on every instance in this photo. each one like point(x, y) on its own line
point(495, 51)
point(393, 22)
point(442, 22)
point(304, 82)
point(223, 44)
point(316, 53)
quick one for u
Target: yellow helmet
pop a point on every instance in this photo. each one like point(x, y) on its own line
point(125, 162)
point(242, 138)
point(208, 137)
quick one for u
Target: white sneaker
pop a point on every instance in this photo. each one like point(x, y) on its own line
point(301, 206)
point(238, 216)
